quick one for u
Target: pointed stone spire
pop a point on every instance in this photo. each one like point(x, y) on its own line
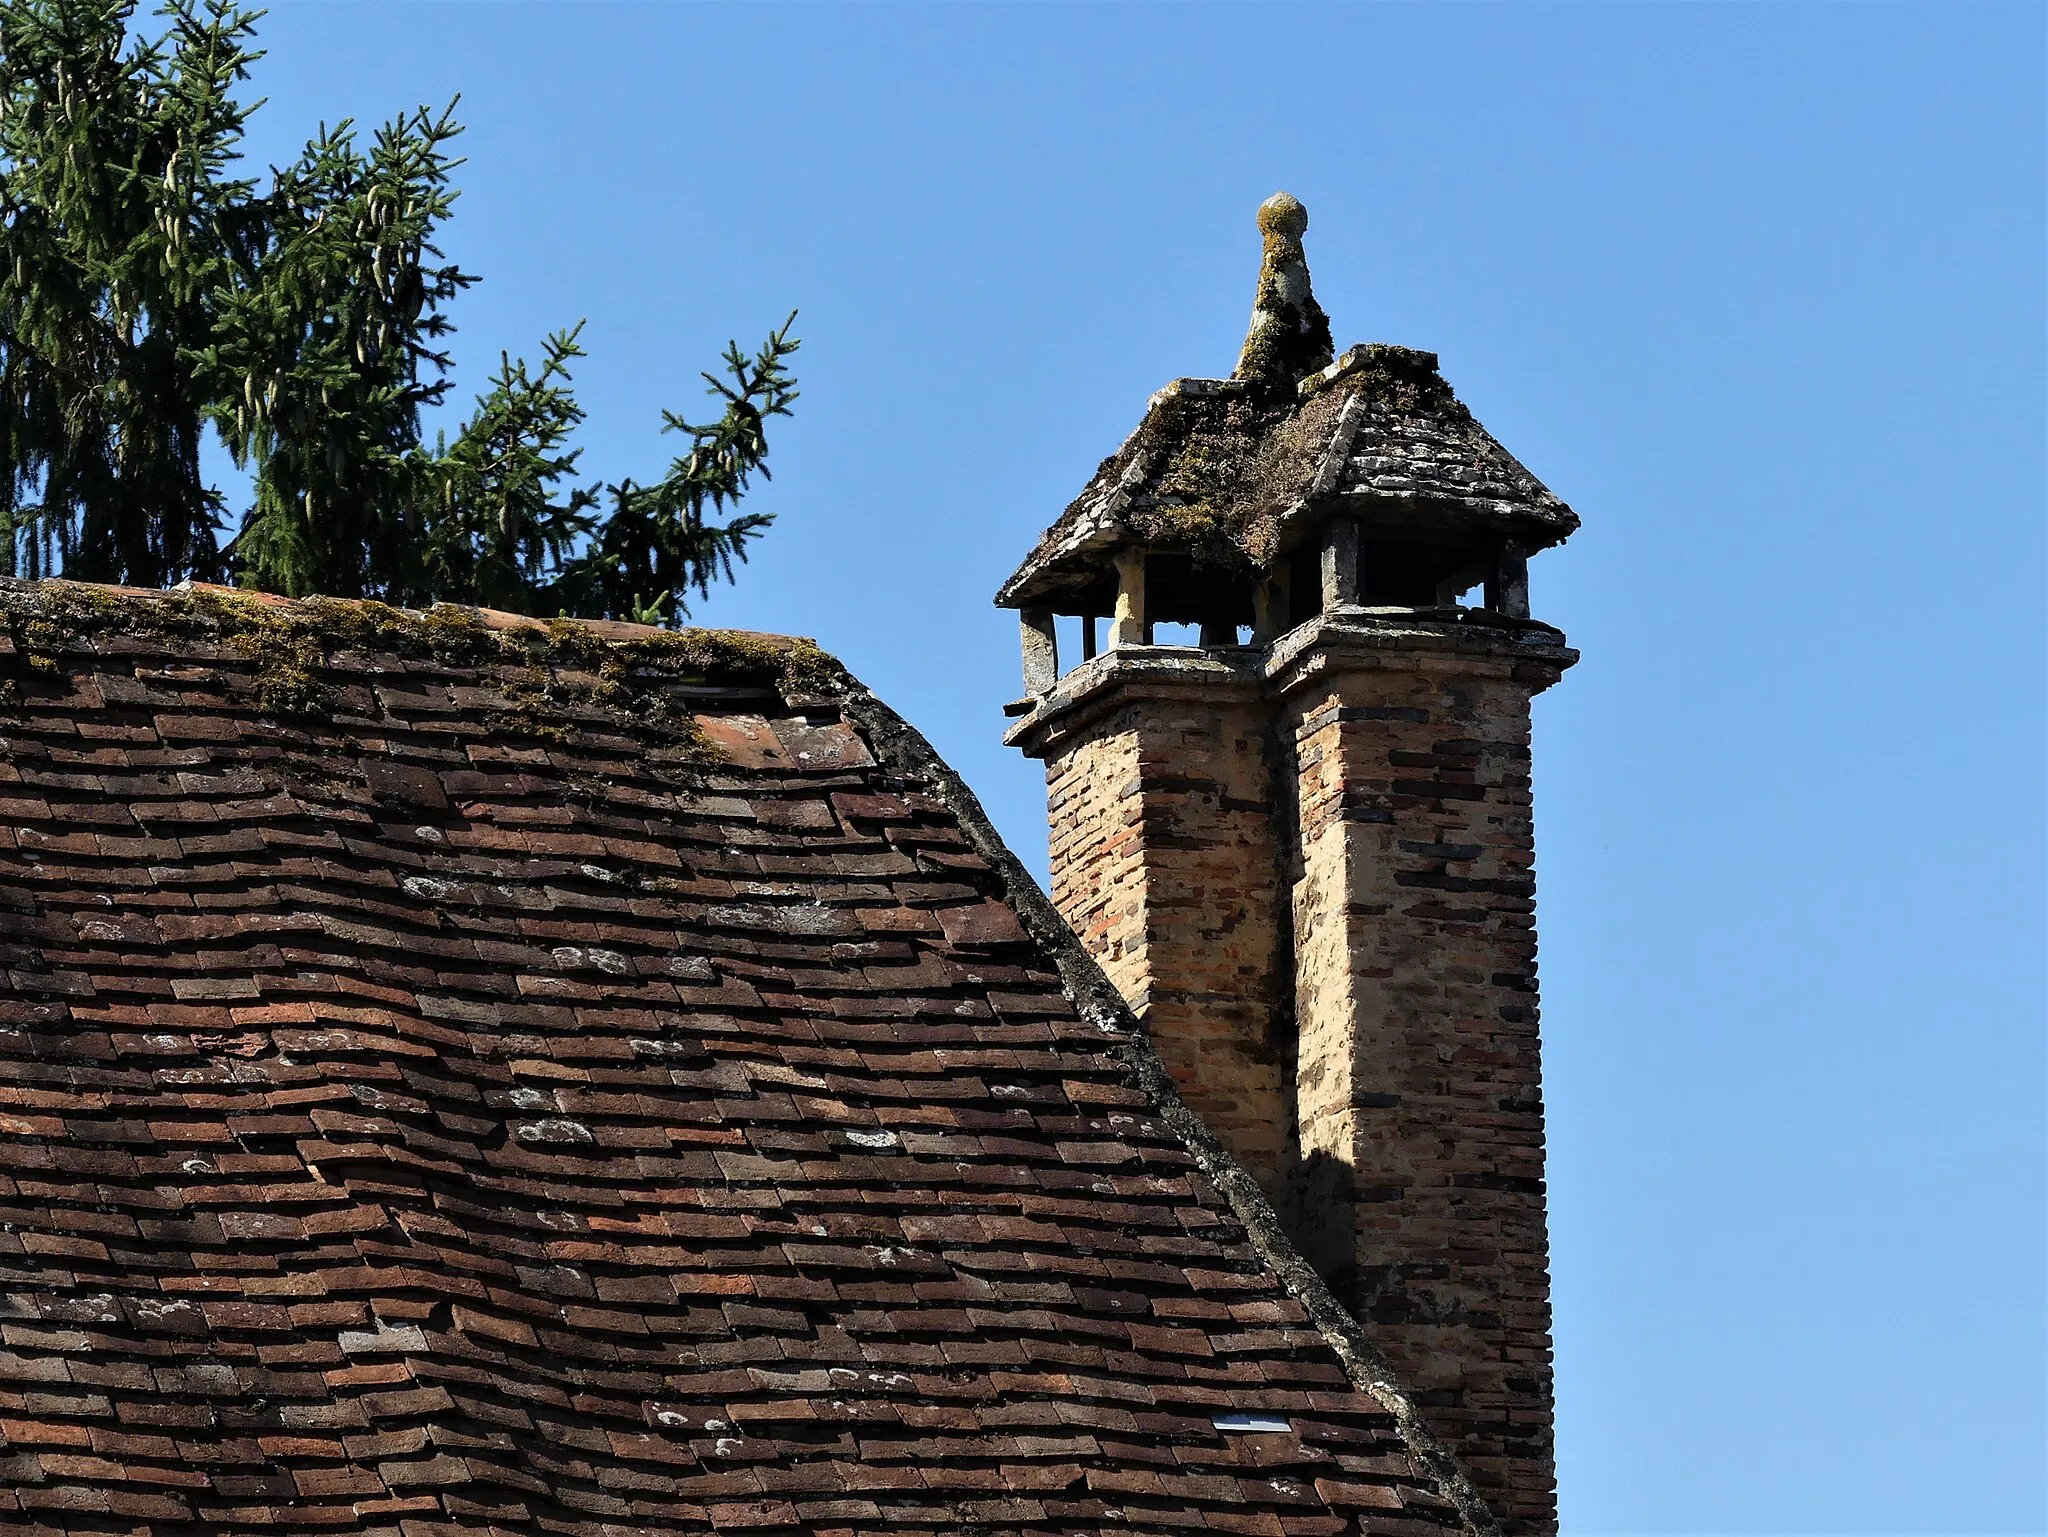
point(1289, 338)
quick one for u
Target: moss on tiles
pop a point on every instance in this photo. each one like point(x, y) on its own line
point(1392, 381)
point(1211, 447)
point(290, 644)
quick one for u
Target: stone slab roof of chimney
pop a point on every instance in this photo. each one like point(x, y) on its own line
point(1221, 469)
point(582, 1078)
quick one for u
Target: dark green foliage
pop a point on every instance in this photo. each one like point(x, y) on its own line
point(147, 297)
point(513, 530)
point(502, 525)
point(657, 546)
point(321, 365)
point(120, 227)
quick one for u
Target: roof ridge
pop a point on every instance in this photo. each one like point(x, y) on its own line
point(39, 614)
point(900, 745)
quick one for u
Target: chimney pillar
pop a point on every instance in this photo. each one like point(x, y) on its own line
point(1419, 1088)
point(1130, 626)
point(1041, 650)
point(1269, 607)
point(1340, 562)
point(1167, 862)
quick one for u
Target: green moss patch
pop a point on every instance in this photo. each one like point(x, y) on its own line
point(542, 667)
point(1393, 381)
point(1230, 461)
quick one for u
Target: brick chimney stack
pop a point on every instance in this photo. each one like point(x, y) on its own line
point(1300, 841)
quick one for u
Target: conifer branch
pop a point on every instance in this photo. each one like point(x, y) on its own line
point(150, 294)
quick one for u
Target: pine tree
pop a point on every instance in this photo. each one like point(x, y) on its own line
point(120, 228)
point(323, 361)
point(508, 511)
point(149, 296)
point(658, 546)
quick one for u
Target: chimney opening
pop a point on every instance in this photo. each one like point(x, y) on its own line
point(1304, 584)
point(1410, 572)
point(1074, 649)
point(1212, 598)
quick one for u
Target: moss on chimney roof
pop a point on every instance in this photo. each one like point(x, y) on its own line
point(1224, 469)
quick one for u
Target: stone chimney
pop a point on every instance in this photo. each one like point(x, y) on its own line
point(1299, 838)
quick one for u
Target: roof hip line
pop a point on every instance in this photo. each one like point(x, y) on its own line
point(903, 747)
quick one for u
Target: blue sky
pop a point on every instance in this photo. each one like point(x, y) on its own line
point(1758, 289)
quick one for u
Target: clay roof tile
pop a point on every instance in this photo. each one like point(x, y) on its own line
point(503, 1072)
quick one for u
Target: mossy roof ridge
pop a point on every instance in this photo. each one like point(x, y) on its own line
point(1221, 469)
point(38, 615)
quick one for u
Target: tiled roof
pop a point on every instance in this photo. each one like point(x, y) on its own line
point(1214, 464)
point(461, 1075)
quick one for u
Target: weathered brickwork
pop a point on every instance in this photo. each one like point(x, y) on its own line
point(1097, 876)
point(1164, 862)
point(1324, 1014)
point(1420, 1072)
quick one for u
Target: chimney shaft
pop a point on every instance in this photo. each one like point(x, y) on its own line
point(1308, 862)
point(1309, 868)
point(1168, 862)
point(1419, 1100)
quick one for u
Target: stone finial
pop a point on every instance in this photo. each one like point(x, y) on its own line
point(1284, 214)
point(1289, 337)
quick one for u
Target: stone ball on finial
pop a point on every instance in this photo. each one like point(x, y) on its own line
point(1283, 214)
